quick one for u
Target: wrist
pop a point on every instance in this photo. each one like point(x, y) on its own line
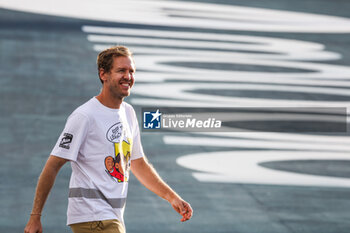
point(37, 215)
point(170, 197)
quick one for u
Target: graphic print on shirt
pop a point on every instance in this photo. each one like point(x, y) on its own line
point(66, 140)
point(118, 165)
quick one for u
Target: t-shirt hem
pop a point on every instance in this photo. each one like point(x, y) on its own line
point(90, 219)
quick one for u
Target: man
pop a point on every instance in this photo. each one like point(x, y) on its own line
point(96, 134)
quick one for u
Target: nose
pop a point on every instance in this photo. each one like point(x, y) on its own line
point(128, 76)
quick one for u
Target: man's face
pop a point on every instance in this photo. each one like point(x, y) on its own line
point(121, 77)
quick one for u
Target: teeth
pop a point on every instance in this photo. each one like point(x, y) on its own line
point(125, 84)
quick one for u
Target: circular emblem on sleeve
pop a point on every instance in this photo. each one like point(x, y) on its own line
point(115, 132)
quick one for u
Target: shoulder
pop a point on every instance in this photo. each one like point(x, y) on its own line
point(127, 105)
point(84, 111)
point(128, 108)
point(130, 114)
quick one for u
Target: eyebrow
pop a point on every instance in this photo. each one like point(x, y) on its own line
point(124, 68)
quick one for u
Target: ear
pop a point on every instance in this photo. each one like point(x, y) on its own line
point(102, 74)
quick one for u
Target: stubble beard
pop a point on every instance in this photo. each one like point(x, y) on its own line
point(117, 95)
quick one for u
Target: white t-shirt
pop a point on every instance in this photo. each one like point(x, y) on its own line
point(100, 142)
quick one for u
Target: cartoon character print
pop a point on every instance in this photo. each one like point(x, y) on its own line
point(117, 166)
point(112, 166)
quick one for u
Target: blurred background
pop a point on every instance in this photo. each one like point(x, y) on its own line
point(200, 53)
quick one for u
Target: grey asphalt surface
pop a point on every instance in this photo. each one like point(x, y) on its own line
point(47, 69)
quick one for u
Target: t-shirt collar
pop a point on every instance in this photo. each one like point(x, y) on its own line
point(105, 108)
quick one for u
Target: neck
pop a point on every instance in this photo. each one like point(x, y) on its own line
point(109, 101)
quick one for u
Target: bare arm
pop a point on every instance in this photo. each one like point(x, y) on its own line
point(148, 176)
point(45, 183)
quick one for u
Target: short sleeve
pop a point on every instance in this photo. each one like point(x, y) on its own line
point(137, 150)
point(72, 137)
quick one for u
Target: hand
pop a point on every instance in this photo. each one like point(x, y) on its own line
point(183, 208)
point(34, 225)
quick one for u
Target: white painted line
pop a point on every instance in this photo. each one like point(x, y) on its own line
point(282, 44)
point(181, 94)
point(234, 102)
point(156, 12)
point(335, 139)
point(242, 167)
point(257, 144)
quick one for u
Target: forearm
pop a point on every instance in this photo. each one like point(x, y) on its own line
point(151, 180)
point(45, 183)
point(148, 176)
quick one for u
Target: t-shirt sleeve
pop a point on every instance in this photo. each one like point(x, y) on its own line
point(137, 150)
point(72, 137)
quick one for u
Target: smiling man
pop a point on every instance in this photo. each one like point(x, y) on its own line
point(100, 135)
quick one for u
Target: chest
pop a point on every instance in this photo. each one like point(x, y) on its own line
point(106, 133)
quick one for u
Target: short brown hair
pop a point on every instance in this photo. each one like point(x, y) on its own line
point(105, 58)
